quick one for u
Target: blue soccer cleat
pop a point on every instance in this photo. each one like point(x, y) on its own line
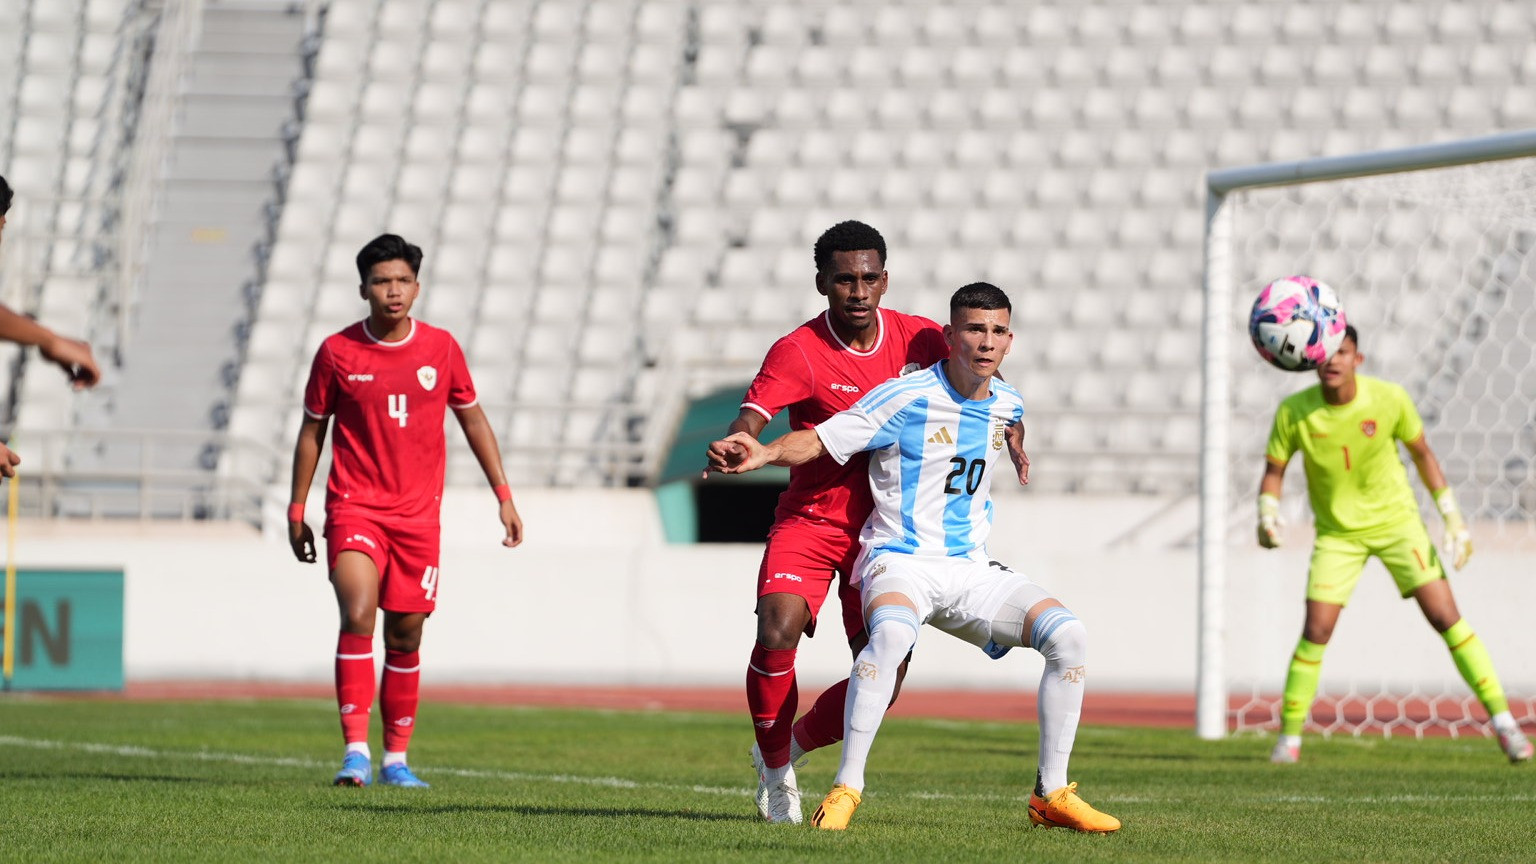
point(399, 774)
point(356, 770)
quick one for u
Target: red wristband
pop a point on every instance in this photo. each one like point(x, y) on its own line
point(503, 493)
point(296, 512)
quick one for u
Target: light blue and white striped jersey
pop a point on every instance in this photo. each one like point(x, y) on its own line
point(932, 461)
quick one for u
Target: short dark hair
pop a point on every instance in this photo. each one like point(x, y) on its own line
point(388, 247)
point(1352, 335)
point(5, 197)
point(849, 236)
point(979, 295)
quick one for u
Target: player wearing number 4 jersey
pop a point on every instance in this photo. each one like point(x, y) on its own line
point(934, 439)
point(1347, 429)
point(387, 380)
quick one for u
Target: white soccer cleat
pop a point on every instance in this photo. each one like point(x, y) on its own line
point(778, 801)
point(762, 782)
point(1285, 754)
point(1516, 746)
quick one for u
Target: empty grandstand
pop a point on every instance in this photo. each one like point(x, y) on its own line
point(617, 199)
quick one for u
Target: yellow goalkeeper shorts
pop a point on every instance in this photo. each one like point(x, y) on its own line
point(1405, 550)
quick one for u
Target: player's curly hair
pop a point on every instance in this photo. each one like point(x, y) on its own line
point(388, 247)
point(5, 197)
point(849, 236)
point(979, 295)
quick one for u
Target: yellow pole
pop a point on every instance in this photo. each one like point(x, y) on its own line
point(10, 581)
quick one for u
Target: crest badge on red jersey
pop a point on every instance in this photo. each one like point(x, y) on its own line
point(427, 375)
point(1368, 427)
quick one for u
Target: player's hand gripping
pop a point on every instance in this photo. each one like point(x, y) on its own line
point(1015, 437)
point(8, 461)
point(737, 453)
point(1458, 540)
point(302, 540)
point(75, 358)
point(1270, 522)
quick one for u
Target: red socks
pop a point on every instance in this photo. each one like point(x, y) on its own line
point(398, 697)
point(354, 685)
point(823, 724)
point(772, 697)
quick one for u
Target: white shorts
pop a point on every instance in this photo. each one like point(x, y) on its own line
point(960, 596)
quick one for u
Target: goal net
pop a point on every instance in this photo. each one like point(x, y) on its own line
point(1432, 251)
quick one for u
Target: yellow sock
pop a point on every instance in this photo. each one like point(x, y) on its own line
point(1476, 666)
point(1301, 686)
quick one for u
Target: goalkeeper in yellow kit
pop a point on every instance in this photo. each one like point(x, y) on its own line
point(1347, 429)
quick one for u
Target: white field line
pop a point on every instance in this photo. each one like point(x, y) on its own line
point(624, 783)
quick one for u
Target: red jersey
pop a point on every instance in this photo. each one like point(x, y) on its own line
point(813, 373)
point(388, 452)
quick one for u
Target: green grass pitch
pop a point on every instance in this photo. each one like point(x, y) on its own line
point(249, 780)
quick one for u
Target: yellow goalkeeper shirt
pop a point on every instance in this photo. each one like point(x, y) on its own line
point(1355, 478)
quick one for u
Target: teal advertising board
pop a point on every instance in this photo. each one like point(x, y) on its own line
point(69, 630)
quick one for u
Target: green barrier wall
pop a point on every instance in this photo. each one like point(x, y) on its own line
point(69, 630)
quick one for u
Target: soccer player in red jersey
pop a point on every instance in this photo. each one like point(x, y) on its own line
point(818, 369)
point(72, 355)
point(387, 380)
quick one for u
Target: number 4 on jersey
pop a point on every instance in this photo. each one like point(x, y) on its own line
point(397, 408)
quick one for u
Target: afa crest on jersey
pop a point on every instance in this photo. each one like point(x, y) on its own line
point(427, 375)
point(998, 426)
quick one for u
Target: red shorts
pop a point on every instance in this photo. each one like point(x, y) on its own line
point(405, 554)
point(804, 557)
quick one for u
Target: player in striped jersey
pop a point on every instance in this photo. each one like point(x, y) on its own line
point(1347, 429)
point(935, 437)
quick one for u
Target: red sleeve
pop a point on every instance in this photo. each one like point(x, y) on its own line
point(928, 346)
point(320, 390)
point(784, 379)
point(461, 388)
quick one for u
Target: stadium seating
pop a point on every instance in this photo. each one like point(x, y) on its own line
point(620, 195)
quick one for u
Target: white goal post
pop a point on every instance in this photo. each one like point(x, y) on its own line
point(1236, 263)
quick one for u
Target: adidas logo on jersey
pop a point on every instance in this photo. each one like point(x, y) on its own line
point(941, 437)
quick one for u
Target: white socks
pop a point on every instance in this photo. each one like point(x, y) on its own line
point(892, 633)
point(1063, 641)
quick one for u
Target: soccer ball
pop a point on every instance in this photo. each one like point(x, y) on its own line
point(1297, 323)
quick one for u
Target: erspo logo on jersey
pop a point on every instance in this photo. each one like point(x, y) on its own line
point(364, 376)
point(844, 388)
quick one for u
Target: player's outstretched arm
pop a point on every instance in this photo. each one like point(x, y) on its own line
point(1014, 435)
point(482, 442)
point(1270, 523)
point(71, 355)
point(306, 456)
point(1458, 540)
point(796, 448)
point(724, 452)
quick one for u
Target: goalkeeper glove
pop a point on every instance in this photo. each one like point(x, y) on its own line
point(1270, 522)
point(1458, 540)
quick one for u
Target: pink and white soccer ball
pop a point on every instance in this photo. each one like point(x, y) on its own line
point(1297, 323)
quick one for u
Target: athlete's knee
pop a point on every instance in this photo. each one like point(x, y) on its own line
point(403, 632)
point(358, 620)
point(892, 633)
point(1060, 637)
point(1318, 632)
point(781, 622)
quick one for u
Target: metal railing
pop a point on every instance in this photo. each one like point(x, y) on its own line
point(143, 474)
point(175, 36)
